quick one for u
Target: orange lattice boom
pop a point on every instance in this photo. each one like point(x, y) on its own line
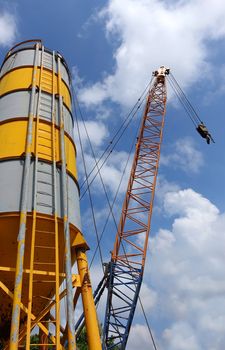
point(129, 253)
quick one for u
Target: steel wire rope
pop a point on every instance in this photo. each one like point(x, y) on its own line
point(114, 199)
point(103, 185)
point(119, 129)
point(88, 187)
point(182, 102)
point(111, 212)
point(186, 99)
point(148, 325)
point(117, 141)
point(99, 173)
point(98, 169)
point(110, 206)
point(105, 151)
point(131, 114)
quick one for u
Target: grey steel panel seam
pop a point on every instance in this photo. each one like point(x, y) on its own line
point(24, 61)
point(12, 196)
point(24, 90)
point(28, 90)
point(58, 166)
point(32, 48)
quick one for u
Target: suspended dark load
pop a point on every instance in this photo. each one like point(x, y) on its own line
point(203, 131)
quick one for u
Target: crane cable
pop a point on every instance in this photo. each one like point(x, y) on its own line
point(99, 168)
point(181, 101)
point(120, 131)
point(107, 198)
point(114, 199)
point(195, 114)
point(120, 128)
point(191, 112)
point(148, 325)
point(98, 172)
point(89, 192)
point(85, 170)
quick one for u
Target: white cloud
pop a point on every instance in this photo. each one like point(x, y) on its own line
point(186, 271)
point(163, 186)
point(151, 33)
point(181, 337)
point(95, 130)
point(139, 338)
point(183, 155)
point(111, 172)
point(76, 78)
point(8, 29)
point(148, 298)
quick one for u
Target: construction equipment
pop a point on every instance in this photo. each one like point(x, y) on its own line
point(126, 268)
point(127, 263)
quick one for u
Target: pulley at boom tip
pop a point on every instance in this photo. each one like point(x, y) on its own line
point(161, 73)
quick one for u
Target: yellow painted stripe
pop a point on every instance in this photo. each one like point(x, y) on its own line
point(21, 78)
point(13, 140)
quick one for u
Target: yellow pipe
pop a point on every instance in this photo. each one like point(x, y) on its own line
point(91, 322)
point(21, 79)
point(30, 293)
point(15, 321)
point(68, 267)
point(57, 279)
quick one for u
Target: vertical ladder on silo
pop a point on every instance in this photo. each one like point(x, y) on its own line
point(45, 194)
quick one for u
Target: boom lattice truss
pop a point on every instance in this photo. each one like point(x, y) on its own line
point(128, 257)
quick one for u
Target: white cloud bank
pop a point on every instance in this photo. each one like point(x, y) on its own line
point(150, 33)
point(186, 270)
point(8, 28)
point(96, 131)
point(183, 155)
point(111, 172)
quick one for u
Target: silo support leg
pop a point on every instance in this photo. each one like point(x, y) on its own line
point(24, 308)
point(91, 322)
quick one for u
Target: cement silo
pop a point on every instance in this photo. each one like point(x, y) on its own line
point(40, 231)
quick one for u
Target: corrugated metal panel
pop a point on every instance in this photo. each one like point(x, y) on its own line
point(16, 105)
point(10, 188)
point(19, 59)
point(21, 79)
point(13, 137)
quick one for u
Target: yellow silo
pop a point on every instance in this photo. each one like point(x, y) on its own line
point(40, 230)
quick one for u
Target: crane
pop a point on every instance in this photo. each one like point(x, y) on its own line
point(128, 257)
point(124, 273)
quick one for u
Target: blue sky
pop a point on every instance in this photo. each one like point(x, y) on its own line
point(112, 47)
